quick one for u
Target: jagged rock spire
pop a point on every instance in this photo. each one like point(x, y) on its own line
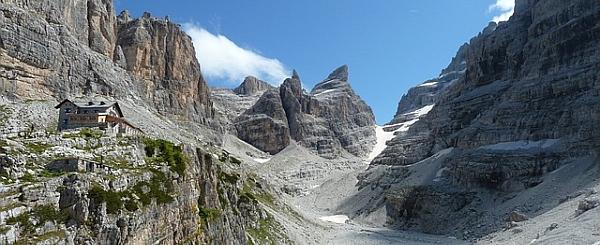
point(341, 73)
point(295, 75)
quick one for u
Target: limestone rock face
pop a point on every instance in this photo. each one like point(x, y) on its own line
point(347, 116)
point(526, 105)
point(44, 55)
point(92, 22)
point(159, 53)
point(252, 86)
point(65, 49)
point(330, 120)
point(265, 125)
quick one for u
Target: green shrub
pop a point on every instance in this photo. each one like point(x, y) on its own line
point(46, 213)
point(131, 205)
point(229, 178)
point(23, 220)
point(158, 188)
point(209, 213)
point(111, 198)
point(165, 151)
point(247, 197)
point(91, 133)
point(4, 229)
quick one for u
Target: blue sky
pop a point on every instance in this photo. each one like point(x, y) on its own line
point(389, 45)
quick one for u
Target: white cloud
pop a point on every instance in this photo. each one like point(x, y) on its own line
point(506, 7)
point(222, 59)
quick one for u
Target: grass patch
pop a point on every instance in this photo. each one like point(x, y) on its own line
point(38, 148)
point(50, 174)
point(164, 151)
point(252, 191)
point(5, 179)
point(27, 177)
point(158, 188)
point(9, 207)
point(247, 197)
point(268, 232)
point(86, 133)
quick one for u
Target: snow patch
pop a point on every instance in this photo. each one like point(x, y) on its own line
point(261, 160)
point(382, 138)
point(325, 92)
point(421, 111)
point(339, 219)
point(521, 145)
point(429, 84)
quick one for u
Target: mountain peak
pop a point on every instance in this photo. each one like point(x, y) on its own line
point(338, 79)
point(251, 86)
point(341, 73)
point(295, 75)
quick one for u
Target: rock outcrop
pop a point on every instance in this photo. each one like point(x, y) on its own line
point(328, 121)
point(252, 86)
point(526, 105)
point(265, 125)
point(346, 114)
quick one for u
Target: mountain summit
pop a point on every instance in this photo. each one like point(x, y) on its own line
point(326, 125)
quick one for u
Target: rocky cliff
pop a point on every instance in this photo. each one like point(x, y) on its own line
point(428, 93)
point(526, 107)
point(159, 53)
point(329, 120)
point(65, 49)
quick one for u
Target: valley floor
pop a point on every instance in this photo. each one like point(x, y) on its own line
point(324, 191)
point(320, 206)
point(317, 187)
